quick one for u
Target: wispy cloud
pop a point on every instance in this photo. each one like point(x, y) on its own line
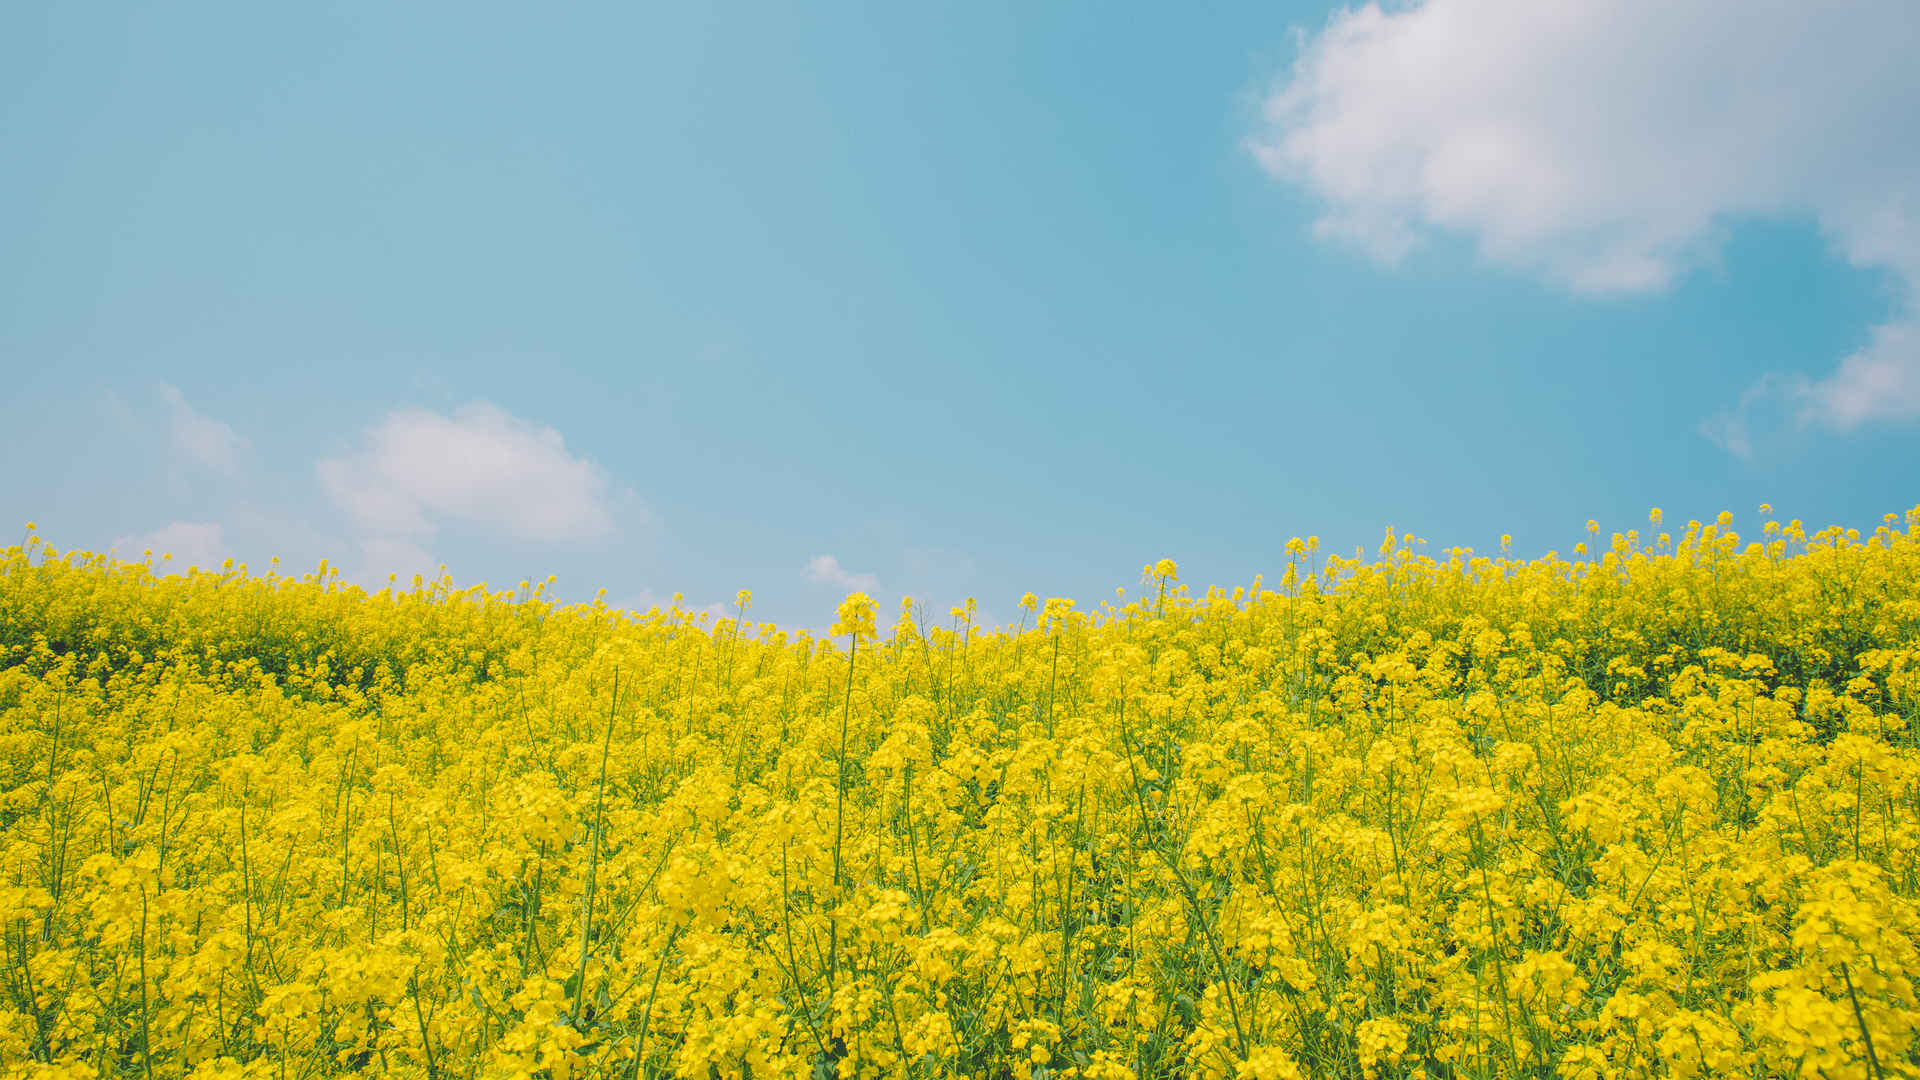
point(190, 543)
point(826, 570)
point(1758, 414)
point(481, 467)
point(196, 439)
point(1602, 145)
point(1881, 381)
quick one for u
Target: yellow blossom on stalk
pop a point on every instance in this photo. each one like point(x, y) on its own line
point(1267, 1063)
point(1056, 609)
point(1699, 1044)
point(855, 616)
point(1381, 1041)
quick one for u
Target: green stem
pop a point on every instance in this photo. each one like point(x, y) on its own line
point(1860, 1018)
point(840, 819)
point(593, 856)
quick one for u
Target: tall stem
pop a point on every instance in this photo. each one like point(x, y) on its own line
point(1859, 1017)
point(840, 817)
point(593, 857)
point(146, 1033)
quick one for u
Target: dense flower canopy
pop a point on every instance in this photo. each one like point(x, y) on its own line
point(1654, 810)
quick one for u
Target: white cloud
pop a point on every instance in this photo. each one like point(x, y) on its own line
point(480, 467)
point(199, 438)
point(1731, 431)
point(1881, 380)
point(397, 555)
point(191, 543)
point(826, 570)
point(1605, 144)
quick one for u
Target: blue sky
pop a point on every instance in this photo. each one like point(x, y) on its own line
point(968, 299)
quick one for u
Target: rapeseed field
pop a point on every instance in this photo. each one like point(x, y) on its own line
point(1648, 809)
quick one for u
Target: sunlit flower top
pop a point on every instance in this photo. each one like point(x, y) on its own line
point(855, 616)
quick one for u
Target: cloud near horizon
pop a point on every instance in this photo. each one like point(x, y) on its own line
point(826, 570)
point(190, 543)
point(417, 471)
point(1605, 146)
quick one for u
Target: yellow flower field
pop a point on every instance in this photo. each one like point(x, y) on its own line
point(1650, 810)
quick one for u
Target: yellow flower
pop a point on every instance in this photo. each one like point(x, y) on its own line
point(1380, 1040)
point(855, 616)
point(1055, 610)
